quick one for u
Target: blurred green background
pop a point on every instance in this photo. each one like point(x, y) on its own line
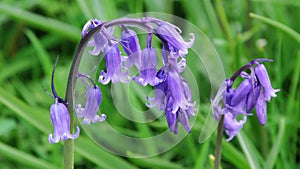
point(34, 32)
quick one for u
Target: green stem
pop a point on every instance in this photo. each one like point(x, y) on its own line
point(69, 154)
point(226, 29)
point(218, 149)
point(69, 144)
point(278, 25)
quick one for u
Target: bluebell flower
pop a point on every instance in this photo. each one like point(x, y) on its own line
point(264, 80)
point(174, 97)
point(93, 101)
point(253, 92)
point(148, 66)
point(60, 118)
point(131, 46)
point(100, 40)
point(114, 70)
point(171, 34)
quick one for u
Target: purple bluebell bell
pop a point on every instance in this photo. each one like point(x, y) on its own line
point(131, 46)
point(148, 65)
point(254, 91)
point(170, 34)
point(60, 118)
point(114, 67)
point(93, 101)
point(264, 80)
point(100, 40)
point(173, 95)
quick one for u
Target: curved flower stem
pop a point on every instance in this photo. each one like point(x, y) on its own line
point(218, 149)
point(142, 23)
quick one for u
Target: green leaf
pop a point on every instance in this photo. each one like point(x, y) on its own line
point(249, 150)
point(41, 22)
point(41, 52)
point(24, 158)
point(278, 25)
point(270, 162)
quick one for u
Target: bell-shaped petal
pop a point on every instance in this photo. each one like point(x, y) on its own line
point(93, 101)
point(261, 108)
point(169, 33)
point(100, 39)
point(263, 77)
point(252, 98)
point(148, 68)
point(131, 46)
point(241, 92)
point(60, 118)
point(232, 126)
point(113, 72)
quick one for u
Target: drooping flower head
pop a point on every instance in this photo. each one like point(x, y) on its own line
point(93, 101)
point(60, 117)
point(172, 91)
point(254, 91)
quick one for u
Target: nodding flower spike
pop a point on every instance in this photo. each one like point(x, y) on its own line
point(60, 117)
point(254, 91)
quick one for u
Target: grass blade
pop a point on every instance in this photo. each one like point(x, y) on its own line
point(249, 151)
point(278, 25)
point(24, 158)
point(41, 22)
point(270, 162)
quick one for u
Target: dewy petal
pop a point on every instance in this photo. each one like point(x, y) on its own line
point(263, 77)
point(113, 72)
point(148, 68)
point(89, 113)
point(131, 46)
point(168, 33)
point(261, 109)
point(60, 118)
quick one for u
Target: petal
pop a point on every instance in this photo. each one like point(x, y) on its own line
point(241, 92)
point(131, 46)
point(232, 126)
point(75, 135)
point(261, 109)
point(252, 98)
point(263, 77)
point(184, 120)
point(169, 33)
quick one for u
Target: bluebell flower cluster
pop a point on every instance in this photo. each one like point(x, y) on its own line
point(253, 92)
point(173, 95)
point(172, 92)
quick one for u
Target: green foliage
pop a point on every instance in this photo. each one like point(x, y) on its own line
point(33, 33)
